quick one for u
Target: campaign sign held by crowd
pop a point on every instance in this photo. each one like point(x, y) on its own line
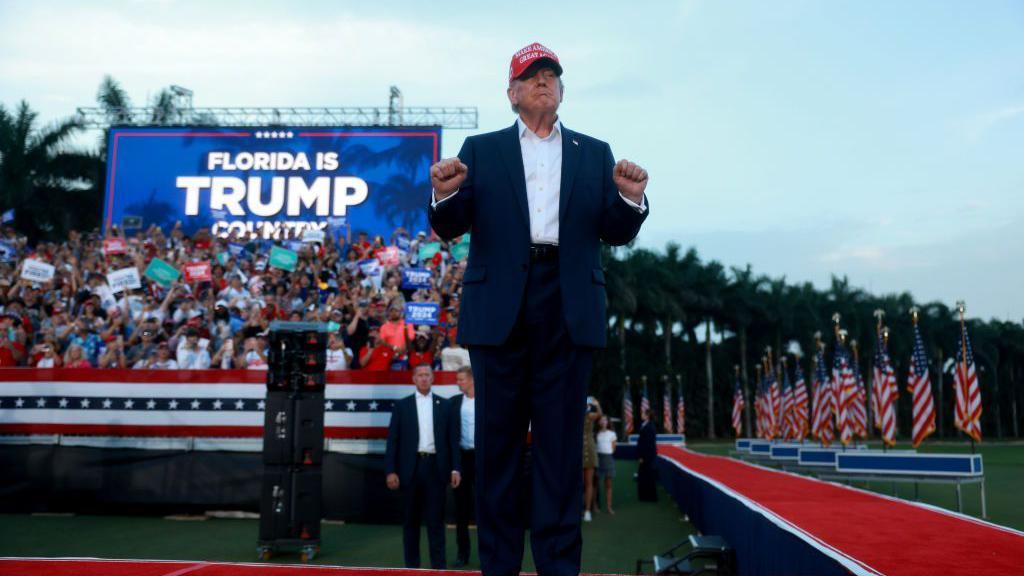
point(115, 246)
point(198, 272)
point(415, 278)
point(283, 258)
point(124, 279)
point(422, 313)
point(37, 271)
point(162, 273)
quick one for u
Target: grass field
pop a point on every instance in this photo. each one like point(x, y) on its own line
point(610, 543)
point(1004, 480)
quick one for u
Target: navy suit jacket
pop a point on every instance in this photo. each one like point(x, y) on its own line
point(404, 438)
point(492, 203)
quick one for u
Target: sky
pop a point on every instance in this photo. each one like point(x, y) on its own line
point(879, 140)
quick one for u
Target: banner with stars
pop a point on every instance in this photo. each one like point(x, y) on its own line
point(191, 403)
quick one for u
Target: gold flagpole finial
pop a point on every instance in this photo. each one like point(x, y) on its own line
point(914, 313)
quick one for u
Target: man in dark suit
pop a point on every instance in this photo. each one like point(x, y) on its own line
point(464, 418)
point(422, 457)
point(540, 199)
point(647, 453)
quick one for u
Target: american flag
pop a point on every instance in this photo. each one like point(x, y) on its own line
point(788, 431)
point(967, 415)
point(645, 404)
point(666, 408)
point(822, 426)
point(737, 408)
point(681, 413)
point(759, 407)
point(844, 392)
point(627, 411)
point(920, 387)
point(858, 412)
point(800, 403)
point(774, 406)
point(884, 393)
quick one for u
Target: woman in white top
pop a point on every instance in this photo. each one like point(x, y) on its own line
point(606, 459)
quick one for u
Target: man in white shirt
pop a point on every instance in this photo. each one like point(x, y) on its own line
point(422, 456)
point(464, 415)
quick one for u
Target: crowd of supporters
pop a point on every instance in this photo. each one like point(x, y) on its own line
point(77, 319)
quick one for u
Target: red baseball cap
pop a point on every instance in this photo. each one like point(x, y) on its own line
point(529, 56)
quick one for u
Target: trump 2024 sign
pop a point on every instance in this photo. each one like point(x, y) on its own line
point(271, 183)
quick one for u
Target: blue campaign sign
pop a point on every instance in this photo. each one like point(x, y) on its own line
point(415, 278)
point(271, 183)
point(422, 313)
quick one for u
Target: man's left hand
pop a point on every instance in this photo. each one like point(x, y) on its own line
point(631, 180)
point(456, 478)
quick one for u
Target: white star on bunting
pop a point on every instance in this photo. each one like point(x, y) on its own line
point(107, 403)
point(129, 404)
point(329, 405)
point(217, 404)
point(173, 404)
point(195, 404)
point(40, 402)
point(85, 402)
point(351, 406)
point(373, 405)
point(63, 402)
point(239, 404)
point(150, 404)
point(261, 405)
point(19, 403)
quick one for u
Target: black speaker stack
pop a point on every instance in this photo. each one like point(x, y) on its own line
point(293, 439)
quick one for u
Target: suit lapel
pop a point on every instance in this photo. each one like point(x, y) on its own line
point(512, 154)
point(570, 162)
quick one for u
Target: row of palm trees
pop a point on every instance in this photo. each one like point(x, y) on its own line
point(53, 185)
point(672, 313)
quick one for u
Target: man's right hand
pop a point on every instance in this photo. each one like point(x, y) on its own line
point(392, 481)
point(446, 176)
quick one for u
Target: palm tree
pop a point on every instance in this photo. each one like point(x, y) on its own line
point(40, 177)
point(741, 307)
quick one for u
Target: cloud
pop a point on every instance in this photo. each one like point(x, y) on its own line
point(980, 125)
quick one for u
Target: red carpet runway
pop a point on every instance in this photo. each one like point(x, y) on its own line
point(866, 532)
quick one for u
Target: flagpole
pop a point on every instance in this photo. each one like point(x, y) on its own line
point(679, 380)
point(962, 307)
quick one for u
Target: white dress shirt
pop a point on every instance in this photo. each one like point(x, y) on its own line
point(425, 417)
point(468, 415)
point(542, 166)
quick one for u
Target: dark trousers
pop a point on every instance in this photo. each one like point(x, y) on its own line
point(424, 501)
point(537, 377)
point(647, 482)
point(464, 496)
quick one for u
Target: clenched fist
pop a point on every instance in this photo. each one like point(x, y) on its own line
point(446, 176)
point(630, 179)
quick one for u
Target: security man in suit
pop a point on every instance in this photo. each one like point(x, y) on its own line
point(540, 199)
point(464, 417)
point(422, 457)
point(647, 454)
